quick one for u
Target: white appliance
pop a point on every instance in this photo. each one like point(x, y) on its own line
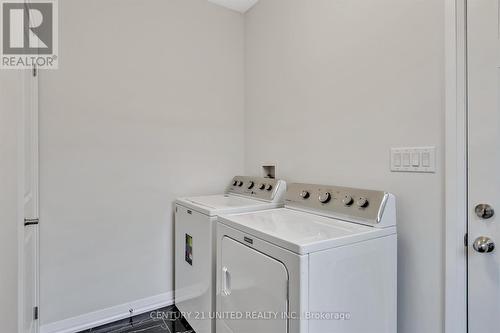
point(327, 262)
point(195, 226)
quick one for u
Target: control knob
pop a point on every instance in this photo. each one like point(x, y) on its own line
point(304, 194)
point(325, 197)
point(262, 186)
point(235, 183)
point(269, 187)
point(240, 183)
point(362, 202)
point(348, 200)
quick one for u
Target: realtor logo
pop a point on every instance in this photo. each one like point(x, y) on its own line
point(29, 34)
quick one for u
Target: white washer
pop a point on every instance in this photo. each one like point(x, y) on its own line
point(327, 262)
point(195, 225)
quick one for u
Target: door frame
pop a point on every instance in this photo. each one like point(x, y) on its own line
point(456, 180)
point(20, 210)
point(30, 78)
point(30, 108)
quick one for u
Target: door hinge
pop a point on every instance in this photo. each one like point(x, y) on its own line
point(35, 313)
point(466, 240)
point(31, 222)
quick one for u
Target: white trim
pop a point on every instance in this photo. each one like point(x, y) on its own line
point(20, 208)
point(28, 143)
point(456, 167)
point(30, 109)
point(109, 315)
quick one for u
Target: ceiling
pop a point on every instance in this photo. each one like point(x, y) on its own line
point(238, 5)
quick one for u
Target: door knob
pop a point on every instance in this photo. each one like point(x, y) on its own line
point(483, 245)
point(484, 211)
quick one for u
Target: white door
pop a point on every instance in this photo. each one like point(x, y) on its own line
point(483, 33)
point(29, 248)
point(254, 291)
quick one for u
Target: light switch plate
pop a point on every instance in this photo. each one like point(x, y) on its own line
point(413, 159)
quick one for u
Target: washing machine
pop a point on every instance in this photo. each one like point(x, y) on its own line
point(326, 262)
point(195, 226)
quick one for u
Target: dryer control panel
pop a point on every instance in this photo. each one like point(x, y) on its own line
point(369, 207)
point(268, 189)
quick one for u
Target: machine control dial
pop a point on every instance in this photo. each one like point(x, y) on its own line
point(304, 194)
point(240, 183)
point(269, 187)
point(362, 202)
point(325, 197)
point(250, 184)
point(235, 183)
point(262, 186)
point(348, 200)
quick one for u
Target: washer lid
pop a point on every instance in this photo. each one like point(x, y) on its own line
point(224, 204)
point(302, 232)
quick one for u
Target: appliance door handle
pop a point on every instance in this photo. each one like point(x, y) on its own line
point(226, 282)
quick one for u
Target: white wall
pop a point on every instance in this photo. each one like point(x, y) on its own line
point(331, 86)
point(10, 110)
point(147, 105)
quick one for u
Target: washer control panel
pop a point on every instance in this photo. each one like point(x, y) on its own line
point(357, 205)
point(256, 187)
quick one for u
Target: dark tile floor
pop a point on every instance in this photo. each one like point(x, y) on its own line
point(162, 320)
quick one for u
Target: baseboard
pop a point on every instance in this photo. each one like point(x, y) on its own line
point(109, 315)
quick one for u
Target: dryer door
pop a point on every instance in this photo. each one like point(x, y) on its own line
point(254, 291)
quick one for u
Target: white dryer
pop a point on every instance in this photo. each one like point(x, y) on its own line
point(327, 262)
point(195, 225)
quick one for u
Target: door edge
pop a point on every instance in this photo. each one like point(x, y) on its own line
point(455, 271)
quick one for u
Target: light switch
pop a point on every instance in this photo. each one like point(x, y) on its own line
point(413, 159)
point(397, 159)
point(426, 159)
point(406, 159)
